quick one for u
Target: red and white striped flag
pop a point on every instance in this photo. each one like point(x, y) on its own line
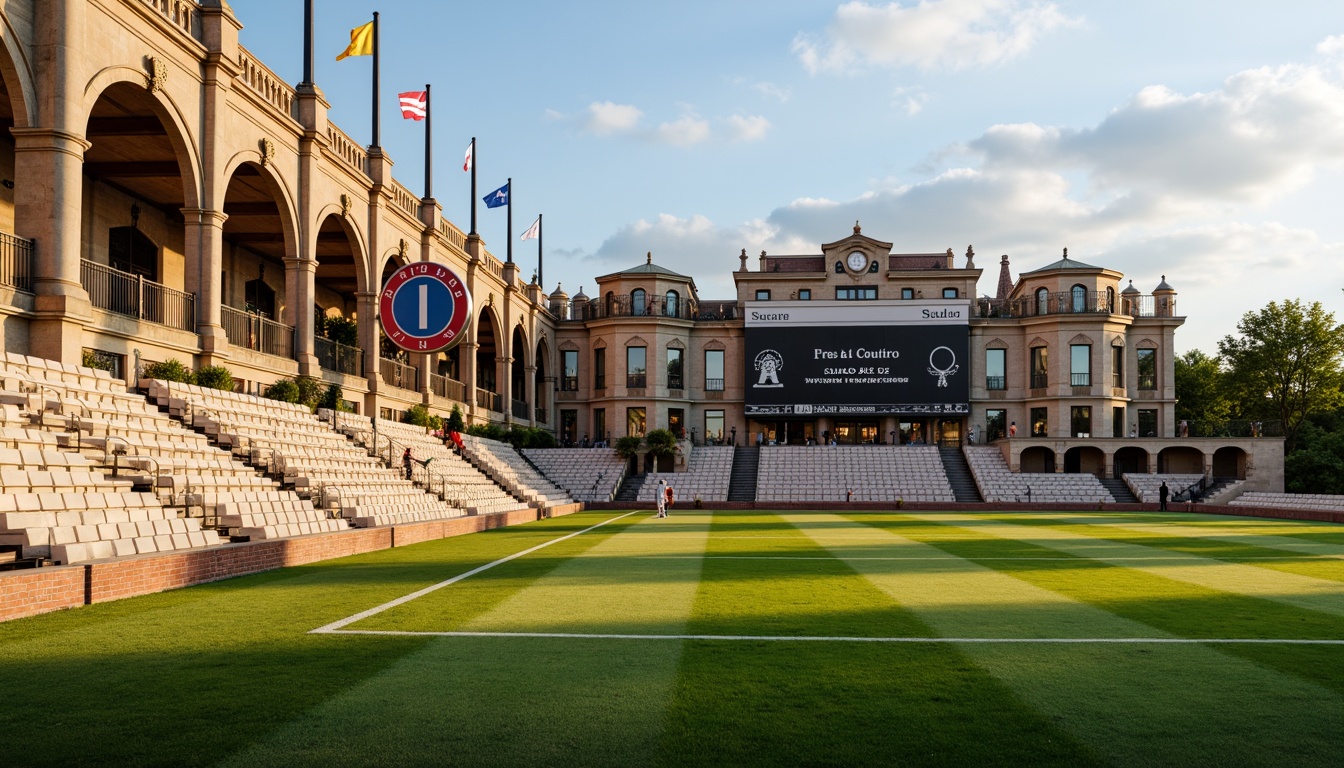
point(466, 164)
point(413, 104)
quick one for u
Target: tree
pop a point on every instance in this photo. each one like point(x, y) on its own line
point(1286, 363)
point(455, 422)
point(215, 377)
point(1201, 394)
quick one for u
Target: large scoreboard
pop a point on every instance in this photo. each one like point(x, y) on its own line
point(857, 358)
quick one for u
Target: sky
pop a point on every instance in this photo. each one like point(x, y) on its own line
point(1203, 141)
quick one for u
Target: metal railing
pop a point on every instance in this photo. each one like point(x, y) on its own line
point(489, 400)
point(520, 409)
point(713, 385)
point(1147, 381)
point(674, 381)
point(569, 384)
point(1074, 303)
point(1081, 379)
point(134, 296)
point(624, 306)
point(256, 333)
point(445, 387)
point(16, 262)
point(636, 380)
point(996, 382)
point(399, 374)
point(333, 356)
point(1040, 380)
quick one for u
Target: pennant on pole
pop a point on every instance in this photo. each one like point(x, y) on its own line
point(361, 42)
point(413, 104)
point(498, 198)
point(471, 149)
point(533, 232)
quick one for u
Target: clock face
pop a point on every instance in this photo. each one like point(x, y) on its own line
point(857, 261)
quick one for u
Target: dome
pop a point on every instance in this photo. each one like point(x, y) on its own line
point(1130, 290)
point(559, 293)
point(580, 294)
point(1163, 287)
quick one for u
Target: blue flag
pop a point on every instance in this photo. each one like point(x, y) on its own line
point(500, 197)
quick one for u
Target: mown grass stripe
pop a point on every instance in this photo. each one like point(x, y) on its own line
point(1252, 580)
point(811, 638)
point(790, 700)
point(1171, 704)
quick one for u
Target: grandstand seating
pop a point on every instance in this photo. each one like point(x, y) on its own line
point(1316, 501)
point(998, 483)
point(508, 468)
point(871, 473)
point(708, 471)
point(291, 442)
point(1145, 486)
point(587, 474)
point(448, 476)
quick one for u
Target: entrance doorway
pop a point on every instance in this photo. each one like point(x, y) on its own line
point(856, 432)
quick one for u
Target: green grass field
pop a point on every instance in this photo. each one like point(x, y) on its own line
point(729, 638)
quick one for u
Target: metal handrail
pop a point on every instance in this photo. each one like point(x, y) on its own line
point(132, 295)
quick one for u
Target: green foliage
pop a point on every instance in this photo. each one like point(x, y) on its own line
point(334, 398)
point(341, 330)
point(1317, 466)
point(215, 377)
point(1285, 363)
point(417, 415)
point(91, 359)
point(530, 437)
point(455, 421)
point(490, 431)
point(171, 369)
point(661, 443)
point(284, 390)
point(1201, 393)
point(310, 391)
point(628, 446)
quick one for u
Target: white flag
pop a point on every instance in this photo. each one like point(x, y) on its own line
point(466, 164)
point(533, 232)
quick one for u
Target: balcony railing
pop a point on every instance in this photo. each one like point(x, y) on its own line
point(623, 306)
point(674, 381)
point(569, 384)
point(996, 382)
point(134, 296)
point(713, 385)
point(16, 262)
point(520, 409)
point(338, 357)
point(1147, 381)
point(256, 333)
point(1081, 379)
point(451, 389)
point(635, 380)
point(489, 400)
point(1040, 380)
point(398, 374)
point(1075, 303)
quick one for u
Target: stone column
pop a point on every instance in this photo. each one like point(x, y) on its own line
point(467, 370)
point(531, 373)
point(300, 287)
point(204, 263)
point(368, 342)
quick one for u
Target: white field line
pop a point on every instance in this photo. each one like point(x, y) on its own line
point(814, 639)
point(336, 625)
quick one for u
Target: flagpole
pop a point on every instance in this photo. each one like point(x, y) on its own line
point(473, 186)
point(541, 279)
point(307, 44)
point(509, 202)
point(377, 52)
point(429, 148)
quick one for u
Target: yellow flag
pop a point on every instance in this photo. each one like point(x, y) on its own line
point(361, 42)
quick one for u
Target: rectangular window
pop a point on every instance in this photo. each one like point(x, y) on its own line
point(1147, 369)
point(634, 422)
point(1040, 368)
point(714, 370)
point(907, 293)
point(949, 293)
point(805, 294)
point(713, 426)
point(570, 381)
point(1040, 422)
point(676, 422)
point(600, 368)
point(636, 372)
point(1118, 421)
point(1147, 422)
point(600, 433)
point(1080, 420)
point(1080, 365)
point(996, 425)
point(569, 427)
point(996, 369)
point(763, 295)
point(674, 369)
point(1118, 371)
point(861, 293)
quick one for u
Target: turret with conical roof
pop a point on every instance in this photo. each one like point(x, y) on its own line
point(559, 303)
point(1005, 280)
point(1164, 296)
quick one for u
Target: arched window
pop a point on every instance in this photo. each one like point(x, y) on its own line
point(1079, 298)
point(610, 303)
point(1110, 299)
point(638, 304)
point(672, 304)
point(1042, 301)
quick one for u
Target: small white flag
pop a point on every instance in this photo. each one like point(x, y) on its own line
point(533, 232)
point(466, 164)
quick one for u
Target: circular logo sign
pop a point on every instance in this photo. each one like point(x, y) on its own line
point(424, 307)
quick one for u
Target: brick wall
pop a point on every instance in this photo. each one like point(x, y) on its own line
point(26, 593)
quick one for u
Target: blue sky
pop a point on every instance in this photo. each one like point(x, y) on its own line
point(1199, 140)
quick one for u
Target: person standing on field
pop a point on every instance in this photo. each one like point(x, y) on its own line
point(1162, 493)
point(661, 497)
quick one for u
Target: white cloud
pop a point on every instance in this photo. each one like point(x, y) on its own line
point(911, 100)
point(932, 35)
point(684, 131)
point(747, 127)
point(606, 118)
point(782, 94)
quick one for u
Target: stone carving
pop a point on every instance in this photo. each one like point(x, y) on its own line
point(970, 257)
point(158, 74)
point(345, 204)
point(267, 151)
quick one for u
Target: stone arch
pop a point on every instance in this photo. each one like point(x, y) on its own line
point(1086, 459)
point(18, 76)
point(1180, 460)
point(1037, 458)
point(330, 217)
point(1130, 459)
point(1229, 461)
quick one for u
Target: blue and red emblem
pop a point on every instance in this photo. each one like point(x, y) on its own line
point(424, 307)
